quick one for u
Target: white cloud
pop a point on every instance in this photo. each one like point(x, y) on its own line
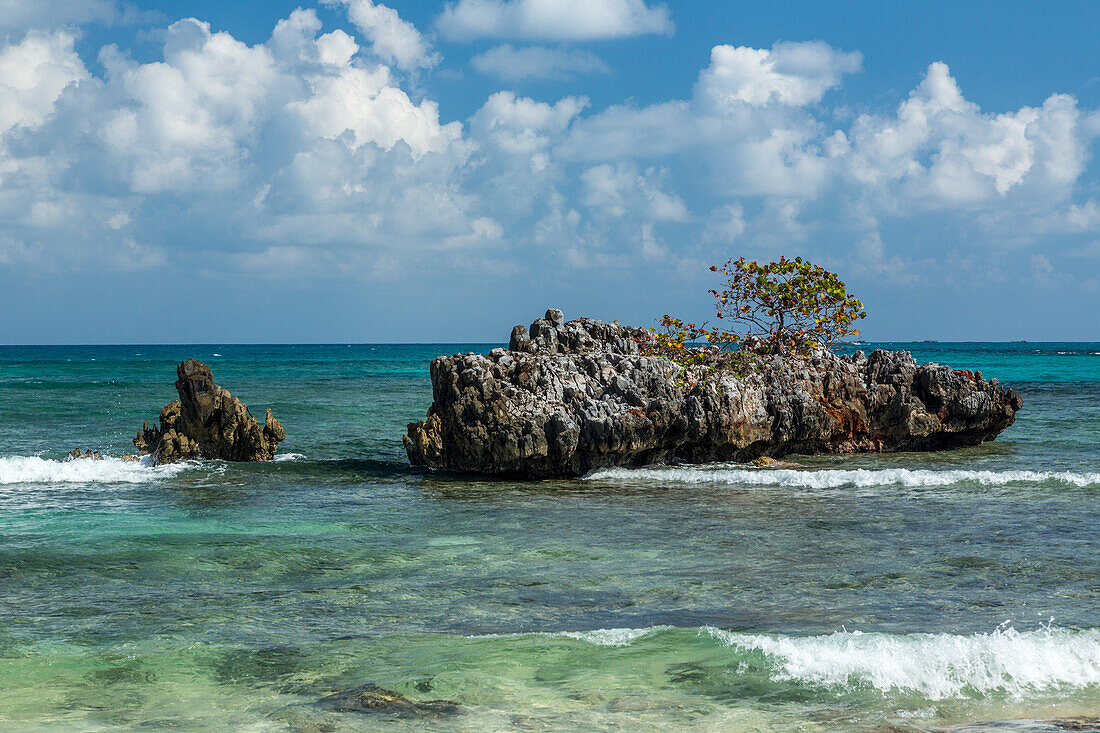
point(295, 141)
point(514, 169)
point(186, 122)
point(365, 104)
point(520, 124)
point(336, 48)
point(393, 40)
point(621, 190)
point(745, 124)
point(521, 130)
point(788, 73)
point(941, 150)
point(750, 130)
point(310, 155)
point(537, 62)
point(559, 20)
point(33, 75)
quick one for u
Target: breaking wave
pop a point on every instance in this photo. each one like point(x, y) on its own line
point(1003, 663)
point(36, 470)
point(937, 666)
point(839, 478)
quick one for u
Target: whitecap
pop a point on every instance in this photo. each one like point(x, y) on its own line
point(937, 666)
point(597, 637)
point(838, 478)
point(612, 637)
point(280, 457)
point(37, 470)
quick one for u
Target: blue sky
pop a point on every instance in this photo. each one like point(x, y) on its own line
point(350, 171)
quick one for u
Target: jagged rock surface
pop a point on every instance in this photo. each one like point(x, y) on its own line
point(570, 397)
point(207, 422)
point(552, 335)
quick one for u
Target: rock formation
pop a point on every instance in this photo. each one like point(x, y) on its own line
point(89, 455)
point(566, 398)
point(207, 422)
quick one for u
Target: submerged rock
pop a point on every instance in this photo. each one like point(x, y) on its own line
point(374, 699)
point(207, 422)
point(567, 398)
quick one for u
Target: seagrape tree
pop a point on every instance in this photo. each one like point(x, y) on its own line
point(787, 307)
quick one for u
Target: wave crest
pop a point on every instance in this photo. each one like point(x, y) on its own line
point(839, 478)
point(36, 470)
point(937, 666)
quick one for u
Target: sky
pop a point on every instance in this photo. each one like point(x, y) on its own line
point(221, 171)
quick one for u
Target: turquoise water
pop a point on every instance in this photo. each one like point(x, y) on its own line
point(831, 594)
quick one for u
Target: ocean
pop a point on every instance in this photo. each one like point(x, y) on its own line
point(906, 592)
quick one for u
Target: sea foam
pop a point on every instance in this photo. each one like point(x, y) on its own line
point(36, 470)
point(937, 666)
point(612, 637)
point(839, 478)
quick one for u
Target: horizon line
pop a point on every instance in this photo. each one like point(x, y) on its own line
point(466, 343)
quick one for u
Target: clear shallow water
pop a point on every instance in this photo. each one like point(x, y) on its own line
point(831, 594)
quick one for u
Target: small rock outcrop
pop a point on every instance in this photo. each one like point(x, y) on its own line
point(207, 422)
point(568, 397)
point(93, 455)
point(89, 455)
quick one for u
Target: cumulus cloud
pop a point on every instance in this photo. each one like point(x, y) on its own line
point(392, 39)
point(788, 73)
point(537, 62)
point(363, 104)
point(747, 112)
point(752, 127)
point(523, 127)
point(186, 122)
point(295, 138)
point(33, 74)
point(314, 153)
point(941, 150)
point(559, 20)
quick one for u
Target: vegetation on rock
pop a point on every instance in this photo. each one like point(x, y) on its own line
point(787, 307)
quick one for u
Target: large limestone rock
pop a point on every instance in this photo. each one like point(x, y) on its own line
point(207, 422)
point(570, 397)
